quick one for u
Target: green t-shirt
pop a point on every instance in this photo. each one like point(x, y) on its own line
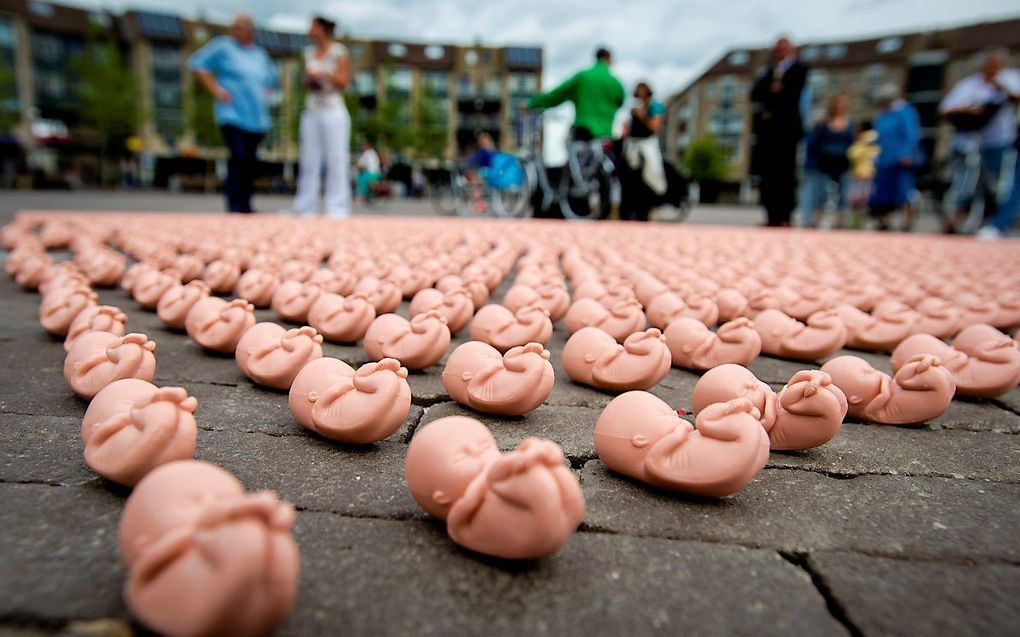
point(596, 94)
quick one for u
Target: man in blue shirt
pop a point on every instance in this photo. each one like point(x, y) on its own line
point(239, 74)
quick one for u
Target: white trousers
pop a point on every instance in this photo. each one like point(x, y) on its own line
point(325, 137)
point(645, 152)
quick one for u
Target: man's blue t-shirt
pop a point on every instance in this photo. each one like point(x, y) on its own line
point(247, 73)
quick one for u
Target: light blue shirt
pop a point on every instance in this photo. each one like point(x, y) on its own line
point(973, 90)
point(247, 73)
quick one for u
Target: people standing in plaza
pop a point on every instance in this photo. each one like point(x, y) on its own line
point(325, 126)
point(982, 109)
point(596, 94)
point(369, 170)
point(644, 181)
point(240, 75)
point(779, 100)
point(862, 154)
point(899, 133)
point(826, 163)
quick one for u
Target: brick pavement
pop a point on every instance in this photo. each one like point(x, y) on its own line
point(884, 530)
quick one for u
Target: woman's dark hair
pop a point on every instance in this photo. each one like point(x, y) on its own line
point(642, 85)
point(329, 26)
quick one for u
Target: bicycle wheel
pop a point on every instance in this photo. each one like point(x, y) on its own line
point(443, 197)
point(594, 204)
point(515, 199)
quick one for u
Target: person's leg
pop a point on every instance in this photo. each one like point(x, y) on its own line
point(1007, 213)
point(788, 193)
point(233, 138)
point(306, 200)
point(250, 169)
point(842, 200)
point(337, 134)
point(812, 198)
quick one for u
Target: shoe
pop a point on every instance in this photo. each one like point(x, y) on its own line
point(989, 232)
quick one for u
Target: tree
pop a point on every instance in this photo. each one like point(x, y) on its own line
point(706, 160)
point(201, 123)
point(9, 115)
point(108, 97)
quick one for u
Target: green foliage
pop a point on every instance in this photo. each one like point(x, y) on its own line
point(706, 160)
point(9, 115)
point(108, 94)
point(199, 116)
point(416, 126)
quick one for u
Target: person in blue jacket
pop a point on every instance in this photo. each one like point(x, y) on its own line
point(240, 75)
point(899, 134)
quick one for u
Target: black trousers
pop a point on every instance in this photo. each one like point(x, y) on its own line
point(778, 187)
point(242, 167)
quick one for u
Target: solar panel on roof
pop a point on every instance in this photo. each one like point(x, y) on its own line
point(524, 56)
point(159, 25)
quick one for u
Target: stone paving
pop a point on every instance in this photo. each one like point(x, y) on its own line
point(883, 531)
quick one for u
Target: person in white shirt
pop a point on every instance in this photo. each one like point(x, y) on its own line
point(369, 170)
point(325, 126)
point(982, 108)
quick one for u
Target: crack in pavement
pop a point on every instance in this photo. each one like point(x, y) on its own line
point(800, 561)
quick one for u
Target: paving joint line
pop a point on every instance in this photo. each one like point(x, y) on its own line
point(801, 561)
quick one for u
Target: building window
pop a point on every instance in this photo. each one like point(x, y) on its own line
point(874, 76)
point(364, 83)
point(6, 35)
point(399, 82)
point(357, 51)
point(727, 90)
point(47, 48)
point(437, 83)
point(810, 53)
point(471, 57)
point(465, 88)
point(523, 83)
point(41, 9)
point(434, 52)
point(739, 58)
point(50, 84)
point(493, 87)
point(396, 50)
point(888, 45)
point(835, 51)
point(166, 59)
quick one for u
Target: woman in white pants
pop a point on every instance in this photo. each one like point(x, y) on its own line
point(325, 126)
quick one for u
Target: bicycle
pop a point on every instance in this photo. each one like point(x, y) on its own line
point(502, 190)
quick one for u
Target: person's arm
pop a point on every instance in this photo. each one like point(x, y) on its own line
point(956, 101)
point(205, 62)
point(562, 93)
point(912, 131)
point(761, 89)
point(272, 76)
point(651, 117)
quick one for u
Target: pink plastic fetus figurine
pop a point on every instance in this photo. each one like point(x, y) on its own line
point(785, 336)
point(221, 275)
point(476, 288)
point(640, 436)
point(667, 307)
point(60, 307)
point(594, 358)
point(921, 390)
point(293, 299)
point(939, 317)
point(990, 369)
point(732, 304)
point(454, 304)
point(272, 355)
point(99, 358)
point(552, 297)
point(524, 504)
point(417, 344)
point(257, 287)
point(176, 302)
point(217, 325)
point(694, 346)
point(151, 285)
point(205, 558)
point(383, 294)
point(97, 318)
point(970, 339)
point(131, 427)
point(880, 331)
point(620, 321)
point(342, 319)
point(355, 407)
point(503, 329)
point(807, 413)
point(510, 384)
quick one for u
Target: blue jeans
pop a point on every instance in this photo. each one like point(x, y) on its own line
point(981, 173)
point(1009, 207)
point(815, 193)
point(241, 167)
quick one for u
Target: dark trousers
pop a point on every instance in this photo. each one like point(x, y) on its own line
point(778, 187)
point(241, 167)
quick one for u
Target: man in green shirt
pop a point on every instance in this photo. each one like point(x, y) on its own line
point(596, 94)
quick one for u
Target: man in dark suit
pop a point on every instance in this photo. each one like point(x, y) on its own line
point(777, 126)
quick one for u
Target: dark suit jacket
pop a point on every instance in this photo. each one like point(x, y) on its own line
point(776, 120)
